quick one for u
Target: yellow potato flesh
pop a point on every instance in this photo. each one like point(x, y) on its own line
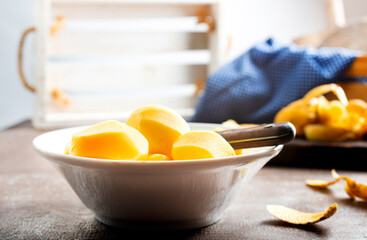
point(159, 136)
point(67, 148)
point(161, 126)
point(157, 157)
point(110, 140)
point(238, 151)
point(201, 145)
point(245, 151)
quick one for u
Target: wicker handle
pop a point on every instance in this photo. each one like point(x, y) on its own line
point(20, 59)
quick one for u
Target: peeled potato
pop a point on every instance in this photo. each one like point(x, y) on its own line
point(230, 123)
point(157, 157)
point(300, 218)
point(109, 140)
point(201, 145)
point(160, 125)
point(67, 148)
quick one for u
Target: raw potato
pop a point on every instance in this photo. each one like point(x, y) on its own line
point(157, 157)
point(300, 218)
point(201, 145)
point(160, 125)
point(110, 140)
point(233, 124)
point(67, 148)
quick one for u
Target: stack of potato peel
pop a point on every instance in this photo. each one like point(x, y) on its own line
point(320, 119)
point(352, 188)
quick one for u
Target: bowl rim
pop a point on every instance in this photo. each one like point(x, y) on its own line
point(108, 164)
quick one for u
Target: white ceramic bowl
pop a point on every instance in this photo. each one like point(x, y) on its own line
point(154, 194)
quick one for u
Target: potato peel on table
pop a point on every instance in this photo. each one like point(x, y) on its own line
point(352, 188)
point(320, 183)
point(293, 216)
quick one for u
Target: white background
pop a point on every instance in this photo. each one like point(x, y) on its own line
point(251, 21)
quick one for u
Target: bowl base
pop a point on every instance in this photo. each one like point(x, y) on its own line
point(157, 225)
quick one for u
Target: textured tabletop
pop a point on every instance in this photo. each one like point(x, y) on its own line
point(37, 203)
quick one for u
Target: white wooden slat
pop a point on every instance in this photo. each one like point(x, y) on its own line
point(177, 24)
point(219, 43)
point(68, 42)
point(69, 77)
point(120, 10)
point(129, 101)
point(42, 23)
point(141, 1)
point(113, 56)
point(190, 57)
point(56, 120)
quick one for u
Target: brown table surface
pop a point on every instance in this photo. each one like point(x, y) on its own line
point(37, 203)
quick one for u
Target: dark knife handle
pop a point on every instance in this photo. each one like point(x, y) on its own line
point(260, 136)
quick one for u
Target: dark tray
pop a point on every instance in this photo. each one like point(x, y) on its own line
point(351, 155)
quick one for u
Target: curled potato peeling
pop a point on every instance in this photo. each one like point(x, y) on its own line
point(319, 119)
point(355, 189)
point(298, 113)
point(320, 183)
point(300, 218)
point(349, 192)
point(352, 188)
point(326, 88)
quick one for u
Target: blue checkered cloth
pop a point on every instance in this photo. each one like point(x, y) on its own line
point(256, 85)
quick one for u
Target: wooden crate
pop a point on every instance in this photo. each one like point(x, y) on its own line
point(109, 57)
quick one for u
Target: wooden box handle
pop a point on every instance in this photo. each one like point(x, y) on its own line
point(20, 59)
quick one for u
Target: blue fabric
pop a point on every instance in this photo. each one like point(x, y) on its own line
point(256, 85)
